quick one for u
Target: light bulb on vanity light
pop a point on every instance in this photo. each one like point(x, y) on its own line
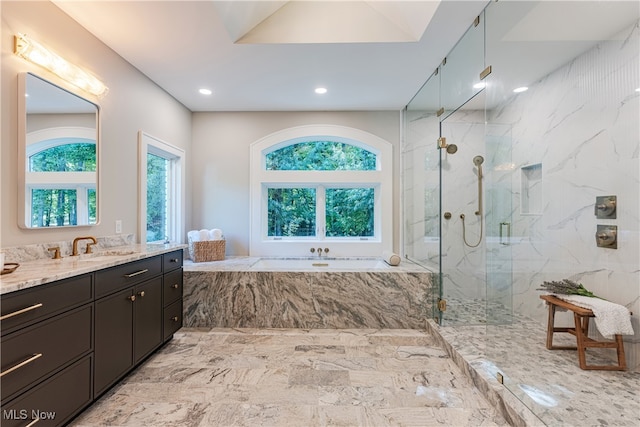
point(40, 55)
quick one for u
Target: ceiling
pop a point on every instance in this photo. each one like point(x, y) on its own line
point(370, 55)
point(271, 55)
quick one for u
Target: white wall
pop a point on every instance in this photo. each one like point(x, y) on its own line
point(581, 123)
point(133, 103)
point(220, 163)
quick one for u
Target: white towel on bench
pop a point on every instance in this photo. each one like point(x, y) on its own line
point(610, 318)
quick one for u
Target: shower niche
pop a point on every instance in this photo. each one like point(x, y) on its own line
point(531, 189)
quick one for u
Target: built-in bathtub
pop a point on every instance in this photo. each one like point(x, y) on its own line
point(307, 293)
point(319, 264)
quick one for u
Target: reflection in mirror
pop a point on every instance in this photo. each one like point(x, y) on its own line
point(58, 149)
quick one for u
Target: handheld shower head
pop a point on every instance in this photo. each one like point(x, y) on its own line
point(478, 160)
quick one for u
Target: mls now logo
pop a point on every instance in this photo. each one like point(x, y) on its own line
point(23, 414)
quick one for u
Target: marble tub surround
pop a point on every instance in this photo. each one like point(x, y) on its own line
point(541, 387)
point(38, 271)
point(241, 297)
point(293, 377)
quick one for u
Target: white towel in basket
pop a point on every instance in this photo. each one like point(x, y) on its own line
point(611, 318)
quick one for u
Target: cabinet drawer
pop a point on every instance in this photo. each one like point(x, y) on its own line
point(53, 402)
point(32, 353)
point(172, 260)
point(22, 308)
point(119, 277)
point(172, 287)
point(172, 319)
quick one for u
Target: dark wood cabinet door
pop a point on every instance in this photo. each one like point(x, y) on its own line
point(147, 325)
point(113, 338)
point(53, 402)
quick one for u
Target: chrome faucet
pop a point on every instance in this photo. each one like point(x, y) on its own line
point(88, 249)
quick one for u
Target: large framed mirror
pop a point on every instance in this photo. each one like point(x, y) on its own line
point(58, 154)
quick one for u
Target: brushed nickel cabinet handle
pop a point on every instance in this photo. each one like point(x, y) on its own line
point(21, 364)
point(141, 294)
point(131, 298)
point(174, 260)
point(136, 273)
point(175, 286)
point(24, 310)
point(174, 318)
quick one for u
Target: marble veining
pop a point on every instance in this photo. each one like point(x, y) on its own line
point(280, 299)
point(37, 268)
point(541, 387)
point(295, 377)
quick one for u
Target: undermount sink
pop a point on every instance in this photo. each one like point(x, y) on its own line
point(104, 256)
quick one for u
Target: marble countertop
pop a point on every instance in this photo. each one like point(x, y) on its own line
point(246, 263)
point(39, 272)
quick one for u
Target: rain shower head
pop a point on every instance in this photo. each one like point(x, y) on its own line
point(478, 160)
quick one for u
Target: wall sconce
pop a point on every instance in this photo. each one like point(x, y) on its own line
point(33, 51)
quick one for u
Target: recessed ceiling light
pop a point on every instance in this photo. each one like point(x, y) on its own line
point(480, 85)
point(520, 89)
point(638, 90)
point(321, 90)
point(205, 91)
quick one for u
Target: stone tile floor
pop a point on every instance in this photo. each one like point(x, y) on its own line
point(294, 377)
point(541, 387)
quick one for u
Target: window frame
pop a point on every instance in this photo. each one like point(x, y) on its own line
point(380, 179)
point(148, 144)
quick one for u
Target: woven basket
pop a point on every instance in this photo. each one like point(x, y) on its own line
point(209, 250)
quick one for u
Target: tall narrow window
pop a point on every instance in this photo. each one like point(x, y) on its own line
point(162, 189)
point(158, 202)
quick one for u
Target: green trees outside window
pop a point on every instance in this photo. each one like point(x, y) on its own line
point(321, 210)
point(157, 193)
point(59, 206)
point(321, 156)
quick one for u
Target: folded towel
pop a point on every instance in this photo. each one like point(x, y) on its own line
point(391, 258)
point(203, 235)
point(610, 318)
point(193, 236)
point(215, 234)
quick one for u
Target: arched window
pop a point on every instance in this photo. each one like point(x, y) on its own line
point(60, 177)
point(320, 185)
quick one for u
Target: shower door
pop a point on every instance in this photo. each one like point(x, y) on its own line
point(463, 214)
point(476, 212)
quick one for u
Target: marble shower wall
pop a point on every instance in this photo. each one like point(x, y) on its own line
point(579, 126)
point(249, 299)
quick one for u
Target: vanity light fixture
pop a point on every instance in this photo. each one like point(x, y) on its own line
point(38, 54)
point(204, 91)
point(521, 89)
point(321, 90)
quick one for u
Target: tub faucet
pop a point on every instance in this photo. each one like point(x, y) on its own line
point(319, 251)
point(88, 249)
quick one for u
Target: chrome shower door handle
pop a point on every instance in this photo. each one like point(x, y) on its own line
point(508, 235)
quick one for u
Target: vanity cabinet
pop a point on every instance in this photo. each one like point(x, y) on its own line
point(172, 294)
point(129, 321)
point(65, 343)
point(47, 347)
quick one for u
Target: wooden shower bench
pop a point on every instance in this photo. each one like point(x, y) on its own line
point(580, 331)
